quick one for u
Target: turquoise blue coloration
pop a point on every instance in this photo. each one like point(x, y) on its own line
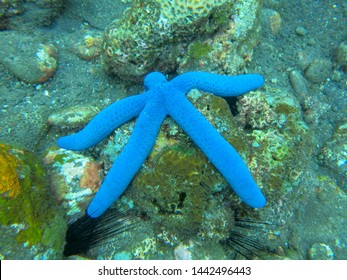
point(160, 99)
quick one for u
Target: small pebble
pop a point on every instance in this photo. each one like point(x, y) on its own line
point(89, 47)
point(300, 30)
point(303, 60)
point(27, 58)
point(318, 70)
point(280, 251)
point(298, 83)
point(271, 21)
point(311, 42)
point(73, 117)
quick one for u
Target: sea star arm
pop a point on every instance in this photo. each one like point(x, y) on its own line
point(218, 84)
point(104, 123)
point(129, 160)
point(223, 156)
point(153, 79)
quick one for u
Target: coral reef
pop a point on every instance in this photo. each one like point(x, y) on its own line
point(231, 47)
point(30, 222)
point(165, 188)
point(183, 200)
point(255, 112)
point(154, 34)
point(183, 195)
point(277, 133)
point(182, 252)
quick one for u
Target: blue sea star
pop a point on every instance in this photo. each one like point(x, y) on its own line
point(160, 99)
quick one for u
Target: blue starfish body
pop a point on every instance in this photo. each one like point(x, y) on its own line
point(160, 99)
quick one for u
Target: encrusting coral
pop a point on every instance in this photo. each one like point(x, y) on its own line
point(27, 210)
point(9, 182)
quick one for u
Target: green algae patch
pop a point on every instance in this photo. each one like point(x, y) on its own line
point(52, 234)
point(32, 209)
point(286, 109)
point(199, 50)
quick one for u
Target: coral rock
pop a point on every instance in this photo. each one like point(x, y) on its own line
point(177, 183)
point(31, 224)
point(319, 70)
point(75, 178)
point(320, 251)
point(152, 33)
point(73, 117)
point(89, 47)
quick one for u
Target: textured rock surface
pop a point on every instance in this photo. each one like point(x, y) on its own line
point(320, 251)
point(31, 225)
point(319, 218)
point(89, 47)
point(298, 83)
point(74, 179)
point(271, 21)
point(318, 70)
point(28, 58)
point(176, 184)
point(313, 212)
point(231, 47)
point(72, 117)
point(154, 34)
point(181, 192)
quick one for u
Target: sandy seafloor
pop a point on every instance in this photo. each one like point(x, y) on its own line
point(24, 108)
